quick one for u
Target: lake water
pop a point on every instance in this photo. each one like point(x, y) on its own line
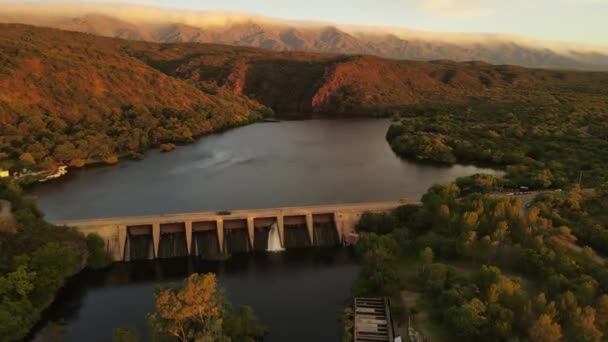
point(262, 165)
point(298, 294)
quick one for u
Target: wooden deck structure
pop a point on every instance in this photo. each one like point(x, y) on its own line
point(372, 321)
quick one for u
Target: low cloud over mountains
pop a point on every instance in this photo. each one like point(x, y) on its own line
point(172, 26)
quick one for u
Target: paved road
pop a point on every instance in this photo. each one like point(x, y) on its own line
point(242, 214)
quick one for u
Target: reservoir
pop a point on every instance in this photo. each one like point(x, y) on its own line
point(264, 165)
point(298, 294)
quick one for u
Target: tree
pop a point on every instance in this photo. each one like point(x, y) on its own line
point(602, 312)
point(27, 159)
point(17, 284)
point(98, 257)
point(52, 263)
point(582, 326)
point(426, 256)
point(66, 151)
point(501, 231)
point(501, 322)
point(382, 223)
point(193, 311)
point(470, 220)
point(243, 325)
point(545, 330)
point(378, 268)
point(469, 319)
point(574, 197)
point(198, 311)
point(486, 276)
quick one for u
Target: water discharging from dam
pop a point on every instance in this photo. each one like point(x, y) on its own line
point(274, 240)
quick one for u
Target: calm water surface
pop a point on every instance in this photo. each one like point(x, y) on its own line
point(258, 166)
point(298, 294)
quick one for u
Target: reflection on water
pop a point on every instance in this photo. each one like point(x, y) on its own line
point(258, 166)
point(291, 292)
point(214, 161)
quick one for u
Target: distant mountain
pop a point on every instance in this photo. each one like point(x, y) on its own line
point(167, 26)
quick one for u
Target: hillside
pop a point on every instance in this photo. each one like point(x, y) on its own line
point(74, 75)
point(76, 97)
point(338, 84)
point(165, 25)
point(72, 96)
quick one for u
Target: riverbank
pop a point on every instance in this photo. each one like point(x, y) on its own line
point(35, 261)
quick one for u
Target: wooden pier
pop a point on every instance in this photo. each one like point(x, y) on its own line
point(372, 321)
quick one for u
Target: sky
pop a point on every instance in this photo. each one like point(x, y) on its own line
point(576, 21)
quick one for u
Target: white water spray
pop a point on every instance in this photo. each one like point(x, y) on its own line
point(274, 240)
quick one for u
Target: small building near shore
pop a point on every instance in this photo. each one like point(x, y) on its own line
point(4, 173)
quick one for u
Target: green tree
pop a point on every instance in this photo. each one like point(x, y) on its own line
point(486, 276)
point(382, 223)
point(426, 256)
point(243, 325)
point(378, 267)
point(468, 320)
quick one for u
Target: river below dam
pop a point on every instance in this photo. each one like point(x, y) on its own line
point(298, 294)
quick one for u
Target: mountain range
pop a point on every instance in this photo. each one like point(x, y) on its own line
point(74, 75)
point(172, 26)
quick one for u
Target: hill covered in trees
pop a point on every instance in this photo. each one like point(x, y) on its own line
point(80, 98)
point(367, 85)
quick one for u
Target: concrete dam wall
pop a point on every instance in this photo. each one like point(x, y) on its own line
point(209, 234)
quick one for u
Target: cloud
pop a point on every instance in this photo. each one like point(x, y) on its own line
point(486, 7)
point(457, 7)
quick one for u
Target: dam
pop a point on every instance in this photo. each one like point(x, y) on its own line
point(222, 233)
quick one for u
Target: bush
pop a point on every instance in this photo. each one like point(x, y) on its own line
point(167, 147)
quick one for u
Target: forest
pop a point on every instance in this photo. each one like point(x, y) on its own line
point(38, 142)
point(482, 267)
point(539, 147)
